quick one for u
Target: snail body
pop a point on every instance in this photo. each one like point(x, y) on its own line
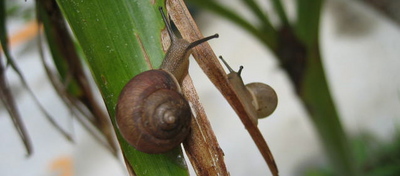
point(263, 98)
point(152, 114)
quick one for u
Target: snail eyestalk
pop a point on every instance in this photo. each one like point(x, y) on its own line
point(169, 28)
point(176, 60)
point(226, 64)
point(240, 70)
point(200, 41)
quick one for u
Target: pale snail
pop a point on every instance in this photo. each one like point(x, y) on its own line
point(263, 98)
point(152, 114)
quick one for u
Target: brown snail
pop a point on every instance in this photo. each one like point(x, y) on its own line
point(152, 114)
point(263, 99)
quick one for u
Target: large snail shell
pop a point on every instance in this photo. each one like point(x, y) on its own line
point(265, 99)
point(151, 113)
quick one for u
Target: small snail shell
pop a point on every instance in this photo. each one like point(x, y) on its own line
point(152, 114)
point(263, 99)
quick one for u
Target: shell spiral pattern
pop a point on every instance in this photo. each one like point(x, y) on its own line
point(152, 115)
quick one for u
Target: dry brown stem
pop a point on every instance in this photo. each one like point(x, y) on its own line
point(209, 63)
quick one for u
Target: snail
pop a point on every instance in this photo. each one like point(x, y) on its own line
point(152, 114)
point(263, 99)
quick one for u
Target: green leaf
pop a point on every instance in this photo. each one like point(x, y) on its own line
point(281, 12)
point(315, 91)
point(255, 8)
point(308, 17)
point(267, 38)
point(121, 39)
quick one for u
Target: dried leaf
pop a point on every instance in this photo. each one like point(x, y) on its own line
point(9, 102)
point(209, 63)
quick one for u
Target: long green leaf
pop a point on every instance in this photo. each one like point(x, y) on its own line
point(213, 6)
point(269, 30)
point(121, 39)
point(281, 12)
point(308, 17)
point(316, 94)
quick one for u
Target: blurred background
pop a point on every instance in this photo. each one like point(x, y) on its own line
point(360, 52)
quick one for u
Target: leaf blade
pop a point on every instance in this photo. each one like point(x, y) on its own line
point(119, 42)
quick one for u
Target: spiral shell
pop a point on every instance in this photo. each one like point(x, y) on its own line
point(265, 99)
point(151, 113)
